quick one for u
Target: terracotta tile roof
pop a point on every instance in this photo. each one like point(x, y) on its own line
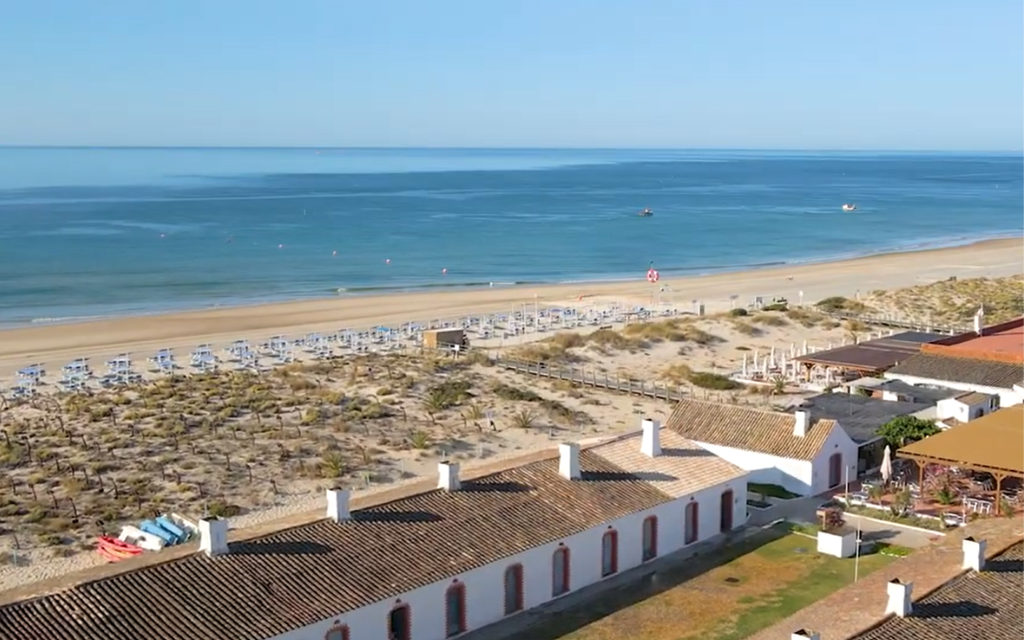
point(860, 606)
point(986, 373)
point(768, 432)
point(973, 397)
point(985, 605)
point(682, 468)
point(275, 583)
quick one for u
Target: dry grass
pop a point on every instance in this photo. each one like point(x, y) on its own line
point(76, 466)
point(726, 595)
point(955, 301)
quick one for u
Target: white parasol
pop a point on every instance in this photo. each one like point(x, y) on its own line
point(886, 469)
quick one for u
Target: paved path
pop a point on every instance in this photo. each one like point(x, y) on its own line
point(804, 510)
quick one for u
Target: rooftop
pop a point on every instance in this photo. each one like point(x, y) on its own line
point(973, 605)
point(930, 393)
point(973, 397)
point(859, 417)
point(1000, 343)
point(748, 429)
point(281, 579)
point(859, 607)
point(986, 373)
point(993, 443)
point(873, 355)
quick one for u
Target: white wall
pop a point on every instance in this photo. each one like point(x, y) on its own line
point(805, 477)
point(1007, 397)
point(837, 442)
point(485, 586)
point(795, 475)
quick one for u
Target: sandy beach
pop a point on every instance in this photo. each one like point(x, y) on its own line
point(56, 344)
point(265, 446)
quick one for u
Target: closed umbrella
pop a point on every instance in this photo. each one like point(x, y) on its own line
point(886, 469)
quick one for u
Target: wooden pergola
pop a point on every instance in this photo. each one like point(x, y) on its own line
point(991, 444)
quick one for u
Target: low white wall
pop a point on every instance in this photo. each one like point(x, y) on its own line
point(837, 545)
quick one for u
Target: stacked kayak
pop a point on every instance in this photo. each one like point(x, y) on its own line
point(151, 535)
point(115, 550)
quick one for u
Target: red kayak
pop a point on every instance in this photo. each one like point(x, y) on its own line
point(113, 549)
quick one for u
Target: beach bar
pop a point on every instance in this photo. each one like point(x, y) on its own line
point(870, 357)
point(444, 338)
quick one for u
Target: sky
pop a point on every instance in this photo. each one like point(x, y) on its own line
point(750, 74)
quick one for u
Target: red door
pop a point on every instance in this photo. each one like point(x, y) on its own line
point(835, 470)
point(725, 521)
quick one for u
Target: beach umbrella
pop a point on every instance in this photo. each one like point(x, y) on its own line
point(771, 358)
point(804, 351)
point(886, 469)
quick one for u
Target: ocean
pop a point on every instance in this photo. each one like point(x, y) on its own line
point(96, 232)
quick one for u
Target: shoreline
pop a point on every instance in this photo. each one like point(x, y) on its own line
point(669, 274)
point(55, 344)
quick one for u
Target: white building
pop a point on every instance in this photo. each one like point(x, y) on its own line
point(791, 450)
point(426, 561)
point(965, 407)
point(1002, 379)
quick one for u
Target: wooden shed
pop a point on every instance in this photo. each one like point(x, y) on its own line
point(443, 338)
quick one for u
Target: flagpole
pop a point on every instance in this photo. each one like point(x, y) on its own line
point(856, 561)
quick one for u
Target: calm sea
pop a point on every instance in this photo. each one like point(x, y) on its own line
point(97, 232)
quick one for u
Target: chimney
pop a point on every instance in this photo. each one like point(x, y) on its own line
point(804, 634)
point(569, 460)
point(337, 505)
point(448, 476)
point(899, 597)
point(800, 424)
point(213, 536)
point(974, 554)
point(650, 442)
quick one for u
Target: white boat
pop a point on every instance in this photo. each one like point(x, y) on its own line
point(849, 207)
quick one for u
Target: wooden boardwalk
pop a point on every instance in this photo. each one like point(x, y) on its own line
point(594, 379)
point(900, 323)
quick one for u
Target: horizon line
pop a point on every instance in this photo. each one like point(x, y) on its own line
point(511, 148)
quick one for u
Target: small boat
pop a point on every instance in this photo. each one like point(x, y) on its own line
point(138, 537)
point(646, 213)
point(153, 528)
point(114, 550)
point(172, 527)
point(849, 207)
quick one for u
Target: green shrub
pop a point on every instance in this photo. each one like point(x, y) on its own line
point(713, 381)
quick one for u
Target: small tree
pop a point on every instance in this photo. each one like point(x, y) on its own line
point(902, 430)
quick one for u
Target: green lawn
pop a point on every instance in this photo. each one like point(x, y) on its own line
point(756, 489)
point(727, 595)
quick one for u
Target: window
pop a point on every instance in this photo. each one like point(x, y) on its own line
point(455, 610)
point(692, 525)
point(337, 632)
point(560, 572)
point(650, 538)
point(513, 589)
point(609, 553)
point(400, 623)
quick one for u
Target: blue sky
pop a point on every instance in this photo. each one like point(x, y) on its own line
point(869, 74)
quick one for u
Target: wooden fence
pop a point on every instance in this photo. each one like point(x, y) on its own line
point(900, 323)
point(595, 379)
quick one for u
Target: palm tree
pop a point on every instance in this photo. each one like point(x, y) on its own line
point(434, 403)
